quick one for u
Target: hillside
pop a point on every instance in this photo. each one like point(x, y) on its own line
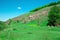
point(31, 26)
point(36, 14)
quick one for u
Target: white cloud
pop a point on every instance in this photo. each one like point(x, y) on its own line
point(18, 7)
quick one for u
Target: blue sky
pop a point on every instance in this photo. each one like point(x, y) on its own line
point(13, 8)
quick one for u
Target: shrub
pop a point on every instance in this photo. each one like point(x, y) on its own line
point(2, 25)
point(53, 16)
point(18, 21)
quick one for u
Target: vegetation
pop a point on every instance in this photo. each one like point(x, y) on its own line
point(18, 21)
point(2, 25)
point(10, 21)
point(33, 30)
point(54, 16)
point(53, 3)
point(19, 31)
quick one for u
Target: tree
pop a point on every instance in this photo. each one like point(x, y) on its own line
point(53, 16)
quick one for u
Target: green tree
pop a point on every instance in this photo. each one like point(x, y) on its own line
point(53, 16)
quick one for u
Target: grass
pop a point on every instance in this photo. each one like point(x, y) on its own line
point(31, 30)
point(19, 31)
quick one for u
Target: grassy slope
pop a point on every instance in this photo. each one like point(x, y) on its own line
point(26, 32)
point(31, 30)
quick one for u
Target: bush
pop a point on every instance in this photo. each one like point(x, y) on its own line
point(53, 16)
point(18, 21)
point(2, 25)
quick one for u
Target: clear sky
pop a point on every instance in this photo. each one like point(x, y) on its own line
point(13, 8)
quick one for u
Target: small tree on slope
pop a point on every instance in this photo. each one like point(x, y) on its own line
point(53, 16)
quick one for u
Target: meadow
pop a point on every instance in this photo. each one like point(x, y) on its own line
point(36, 29)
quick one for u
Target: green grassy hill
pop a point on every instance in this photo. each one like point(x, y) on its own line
point(31, 26)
